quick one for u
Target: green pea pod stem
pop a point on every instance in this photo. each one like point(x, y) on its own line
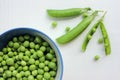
point(106, 38)
point(90, 33)
point(69, 36)
point(67, 12)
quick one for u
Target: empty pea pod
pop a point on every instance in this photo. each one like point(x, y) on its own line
point(106, 38)
point(90, 33)
point(69, 36)
point(67, 12)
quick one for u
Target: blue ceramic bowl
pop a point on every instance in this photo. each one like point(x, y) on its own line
point(5, 37)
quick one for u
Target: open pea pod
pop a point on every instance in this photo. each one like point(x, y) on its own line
point(72, 34)
point(106, 38)
point(90, 33)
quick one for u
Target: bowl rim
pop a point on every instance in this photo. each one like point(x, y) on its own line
point(52, 42)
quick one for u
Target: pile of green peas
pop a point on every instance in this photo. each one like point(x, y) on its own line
point(27, 57)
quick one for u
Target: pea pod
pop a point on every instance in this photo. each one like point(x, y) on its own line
point(90, 33)
point(67, 12)
point(106, 38)
point(69, 36)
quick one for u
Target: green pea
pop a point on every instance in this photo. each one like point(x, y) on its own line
point(10, 54)
point(4, 50)
point(16, 58)
point(32, 45)
point(10, 61)
point(97, 57)
point(23, 63)
point(26, 44)
point(4, 57)
point(37, 46)
point(54, 60)
point(35, 55)
point(41, 65)
point(106, 44)
point(27, 73)
point(25, 68)
point(37, 40)
point(32, 67)
point(1, 70)
point(1, 53)
point(4, 75)
point(14, 73)
point(21, 38)
point(3, 63)
point(52, 51)
point(5, 67)
point(27, 53)
point(54, 24)
point(37, 62)
point(31, 61)
point(25, 58)
point(15, 39)
point(9, 78)
point(20, 56)
point(26, 36)
point(40, 71)
point(8, 73)
point(42, 59)
point(46, 68)
point(15, 53)
point(34, 73)
point(39, 77)
point(22, 48)
point(52, 65)
point(67, 29)
point(16, 45)
point(93, 30)
point(85, 14)
point(100, 40)
point(22, 73)
point(11, 68)
point(9, 49)
point(18, 75)
point(46, 62)
point(49, 56)
point(46, 75)
point(13, 78)
point(30, 77)
point(89, 37)
point(52, 73)
point(45, 44)
point(43, 48)
point(25, 78)
point(52, 78)
point(32, 51)
point(16, 65)
point(39, 53)
point(19, 68)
